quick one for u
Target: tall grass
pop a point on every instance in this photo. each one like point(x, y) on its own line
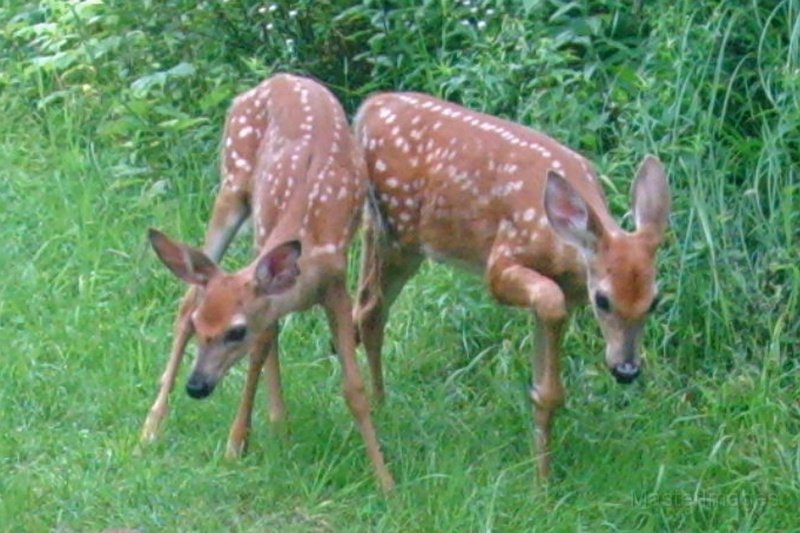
point(104, 137)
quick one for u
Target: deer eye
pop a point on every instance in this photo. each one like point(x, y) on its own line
point(602, 302)
point(654, 305)
point(236, 334)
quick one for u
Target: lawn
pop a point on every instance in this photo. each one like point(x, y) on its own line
point(708, 439)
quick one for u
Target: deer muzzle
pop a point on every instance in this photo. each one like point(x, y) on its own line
point(199, 386)
point(625, 372)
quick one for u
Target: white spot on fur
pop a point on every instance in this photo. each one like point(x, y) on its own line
point(324, 249)
point(506, 189)
point(529, 215)
point(243, 164)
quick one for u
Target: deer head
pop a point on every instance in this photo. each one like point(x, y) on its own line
point(620, 266)
point(232, 307)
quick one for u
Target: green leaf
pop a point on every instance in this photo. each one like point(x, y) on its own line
point(143, 86)
point(182, 70)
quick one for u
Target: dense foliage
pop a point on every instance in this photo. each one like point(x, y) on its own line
point(136, 92)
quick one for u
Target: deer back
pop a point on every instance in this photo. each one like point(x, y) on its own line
point(288, 148)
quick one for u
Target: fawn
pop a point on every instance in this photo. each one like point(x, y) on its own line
point(289, 160)
point(529, 213)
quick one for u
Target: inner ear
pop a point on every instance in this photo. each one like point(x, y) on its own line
point(569, 214)
point(277, 271)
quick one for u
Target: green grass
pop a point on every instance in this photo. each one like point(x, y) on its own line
point(708, 440)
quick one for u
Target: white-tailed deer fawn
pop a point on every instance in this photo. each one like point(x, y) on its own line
point(471, 189)
point(290, 160)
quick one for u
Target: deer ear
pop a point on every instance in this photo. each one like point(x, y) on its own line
point(570, 216)
point(650, 197)
point(277, 270)
point(187, 263)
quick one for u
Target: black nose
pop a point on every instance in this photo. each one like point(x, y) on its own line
point(198, 387)
point(626, 372)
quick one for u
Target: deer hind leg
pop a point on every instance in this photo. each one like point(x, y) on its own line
point(515, 285)
point(385, 269)
point(338, 307)
point(264, 348)
point(230, 210)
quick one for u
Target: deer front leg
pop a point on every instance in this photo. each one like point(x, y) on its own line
point(264, 349)
point(547, 393)
point(338, 309)
point(515, 285)
point(182, 333)
point(230, 210)
point(277, 407)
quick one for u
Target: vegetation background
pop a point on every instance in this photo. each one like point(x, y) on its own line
point(111, 118)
